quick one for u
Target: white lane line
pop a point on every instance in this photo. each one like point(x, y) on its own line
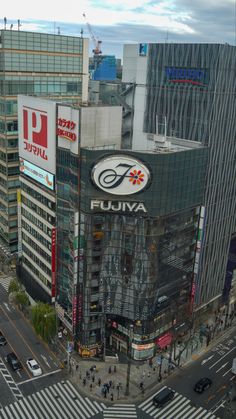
point(222, 366)
point(222, 358)
point(40, 376)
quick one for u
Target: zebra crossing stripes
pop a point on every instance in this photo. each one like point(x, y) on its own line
point(9, 380)
point(179, 408)
point(122, 411)
point(59, 401)
point(5, 282)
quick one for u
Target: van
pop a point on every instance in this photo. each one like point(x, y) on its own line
point(13, 361)
point(163, 397)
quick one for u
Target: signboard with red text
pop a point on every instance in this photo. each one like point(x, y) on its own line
point(68, 128)
point(37, 132)
point(53, 263)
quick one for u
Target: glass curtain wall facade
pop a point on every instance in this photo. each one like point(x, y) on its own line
point(33, 64)
point(193, 86)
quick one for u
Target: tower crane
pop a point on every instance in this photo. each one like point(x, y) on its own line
point(97, 43)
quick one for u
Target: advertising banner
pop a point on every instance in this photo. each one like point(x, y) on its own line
point(40, 175)
point(68, 128)
point(37, 132)
point(19, 223)
point(53, 263)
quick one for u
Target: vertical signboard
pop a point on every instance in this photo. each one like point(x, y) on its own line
point(37, 132)
point(53, 263)
point(68, 128)
point(19, 223)
point(197, 254)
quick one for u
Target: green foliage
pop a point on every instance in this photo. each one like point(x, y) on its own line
point(14, 286)
point(44, 320)
point(22, 299)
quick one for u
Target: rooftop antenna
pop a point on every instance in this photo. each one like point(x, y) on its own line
point(58, 30)
point(19, 24)
point(11, 27)
point(5, 23)
point(81, 32)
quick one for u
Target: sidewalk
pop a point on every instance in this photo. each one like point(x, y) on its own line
point(107, 382)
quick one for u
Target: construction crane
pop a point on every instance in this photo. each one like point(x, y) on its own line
point(97, 43)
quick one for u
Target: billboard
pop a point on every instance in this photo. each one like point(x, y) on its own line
point(37, 131)
point(68, 128)
point(40, 175)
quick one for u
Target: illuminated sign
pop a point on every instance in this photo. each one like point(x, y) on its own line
point(65, 129)
point(37, 131)
point(40, 175)
point(117, 206)
point(53, 263)
point(68, 128)
point(120, 175)
point(186, 75)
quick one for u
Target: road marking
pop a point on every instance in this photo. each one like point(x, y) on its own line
point(227, 372)
point(222, 366)
point(45, 360)
point(208, 359)
point(222, 358)
point(7, 306)
point(40, 376)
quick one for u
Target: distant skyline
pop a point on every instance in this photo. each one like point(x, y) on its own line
point(116, 23)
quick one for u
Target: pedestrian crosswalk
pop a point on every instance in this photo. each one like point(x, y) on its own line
point(9, 380)
point(5, 282)
point(59, 401)
point(179, 408)
point(122, 411)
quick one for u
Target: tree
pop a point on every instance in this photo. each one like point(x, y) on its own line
point(21, 299)
point(44, 320)
point(14, 286)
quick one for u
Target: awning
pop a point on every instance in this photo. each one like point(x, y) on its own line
point(164, 340)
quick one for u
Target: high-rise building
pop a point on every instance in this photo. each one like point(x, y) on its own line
point(188, 91)
point(54, 66)
point(109, 235)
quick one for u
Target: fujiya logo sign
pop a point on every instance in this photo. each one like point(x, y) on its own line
point(35, 132)
point(117, 206)
point(120, 175)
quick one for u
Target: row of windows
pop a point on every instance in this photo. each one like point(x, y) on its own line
point(36, 272)
point(34, 246)
point(8, 107)
point(11, 127)
point(9, 157)
point(36, 222)
point(39, 42)
point(36, 235)
point(39, 262)
point(38, 196)
point(62, 88)
point(8, 143)
point(42, 213)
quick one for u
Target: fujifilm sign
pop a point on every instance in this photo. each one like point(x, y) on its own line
point(117, 206)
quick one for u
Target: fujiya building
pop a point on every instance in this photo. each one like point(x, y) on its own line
point(117, 254)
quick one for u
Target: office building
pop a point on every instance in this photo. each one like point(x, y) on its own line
point(188, 90)
point(54, 66)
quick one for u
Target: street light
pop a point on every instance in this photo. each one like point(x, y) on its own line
point(129, 343)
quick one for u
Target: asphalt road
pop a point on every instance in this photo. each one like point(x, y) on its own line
point(22, 340)
point(215, 364)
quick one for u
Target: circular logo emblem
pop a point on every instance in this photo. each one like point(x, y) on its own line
point(120, 175)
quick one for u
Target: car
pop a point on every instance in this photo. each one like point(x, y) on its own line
point(2, 340)
point(163, 397)
point(202, 385)
point(13, 361)
point(33, 367)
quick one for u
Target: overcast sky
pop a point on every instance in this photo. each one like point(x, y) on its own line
point(116, 22)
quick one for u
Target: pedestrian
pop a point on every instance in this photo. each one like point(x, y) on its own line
point(114, 368)
point(84, 381)
point(141, 385)
point(105, 393)
point(110, 383)
point(93, 378)
point(99, 381)
point(77, 367)
point(109, 370)
point(107, 387)
point(148, 374)
point(112, 397)
point(144, 374)
point(91, 386)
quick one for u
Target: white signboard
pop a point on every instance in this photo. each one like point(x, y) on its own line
point(68, 128)
point(37, 131)
point(120, 175)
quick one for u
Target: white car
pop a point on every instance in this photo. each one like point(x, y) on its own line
point(34, 367)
